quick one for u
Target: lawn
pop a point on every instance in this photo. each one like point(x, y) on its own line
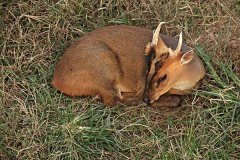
point(37, 122)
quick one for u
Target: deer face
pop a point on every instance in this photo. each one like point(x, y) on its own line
point(168, 69)
point(173, 72)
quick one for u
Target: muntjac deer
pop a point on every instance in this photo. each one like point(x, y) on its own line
point(115, 62)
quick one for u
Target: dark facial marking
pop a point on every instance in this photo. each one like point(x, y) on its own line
point(150, 57)
point(158, 65)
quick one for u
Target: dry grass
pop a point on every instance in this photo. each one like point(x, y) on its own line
point(36, 122)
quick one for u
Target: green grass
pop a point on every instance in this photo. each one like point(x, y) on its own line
point(37, 122)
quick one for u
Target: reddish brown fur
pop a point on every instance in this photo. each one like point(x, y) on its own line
point(105, 61)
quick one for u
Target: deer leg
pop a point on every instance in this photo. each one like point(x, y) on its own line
point(167, 101)
point(109, 99)
point(130, 98)
point(109, 94)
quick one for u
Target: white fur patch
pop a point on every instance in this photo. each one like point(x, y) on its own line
point(183, 86)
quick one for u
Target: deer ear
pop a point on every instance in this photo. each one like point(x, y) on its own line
point(187, 57)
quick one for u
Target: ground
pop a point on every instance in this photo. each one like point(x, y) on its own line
point(37, 122)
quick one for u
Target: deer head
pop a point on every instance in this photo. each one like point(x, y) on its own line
point(170, 69)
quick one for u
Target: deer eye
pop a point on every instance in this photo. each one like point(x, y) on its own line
point(160, 80)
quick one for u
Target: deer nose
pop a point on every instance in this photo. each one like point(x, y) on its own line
point(146, 100)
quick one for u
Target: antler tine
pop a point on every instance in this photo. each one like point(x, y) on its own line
point(179, 44)
point(156, 34)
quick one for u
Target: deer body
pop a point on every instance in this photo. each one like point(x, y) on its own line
point(109, 62)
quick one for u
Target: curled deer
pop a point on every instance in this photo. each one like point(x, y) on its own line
point(120, 64)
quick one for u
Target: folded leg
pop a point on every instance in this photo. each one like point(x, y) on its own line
point(167, 101)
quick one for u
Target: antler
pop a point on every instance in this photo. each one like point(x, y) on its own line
point(156, 34)
point(154, 39)
point(179, 46)
point(161, 44)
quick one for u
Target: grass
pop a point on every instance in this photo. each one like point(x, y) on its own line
point(37, 122)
